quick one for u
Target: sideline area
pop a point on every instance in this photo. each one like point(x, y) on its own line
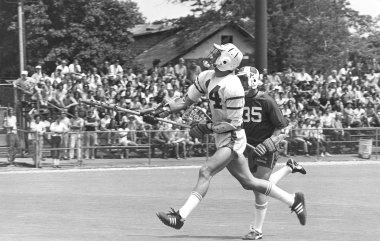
point(26, 164)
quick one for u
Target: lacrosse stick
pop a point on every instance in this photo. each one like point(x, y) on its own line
point(121, 109)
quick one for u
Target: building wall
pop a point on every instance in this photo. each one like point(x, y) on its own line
point(245, 44)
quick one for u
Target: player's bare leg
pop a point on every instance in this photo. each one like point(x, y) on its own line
point(215, 164)
point(240, 170)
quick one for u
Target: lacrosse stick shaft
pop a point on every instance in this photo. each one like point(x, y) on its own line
point(117, 108)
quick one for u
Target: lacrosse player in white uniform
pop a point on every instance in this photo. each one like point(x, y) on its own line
point(226, 95)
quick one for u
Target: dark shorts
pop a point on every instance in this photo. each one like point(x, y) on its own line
point(269, 160)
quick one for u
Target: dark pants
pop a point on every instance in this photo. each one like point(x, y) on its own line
point(55, 143)
point(13, 145)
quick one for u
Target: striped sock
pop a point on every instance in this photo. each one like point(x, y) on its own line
point(269, 189)
point(192, 202)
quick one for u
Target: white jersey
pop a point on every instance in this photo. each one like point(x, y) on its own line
point(226, 96)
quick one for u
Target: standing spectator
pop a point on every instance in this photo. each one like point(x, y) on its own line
point(75, 67)
point(116, 69)
point(10, 124)
point(131, 76)
point(180, 70)
point(94, 79)
point(106, 69)
point(194, 71)
point(38, 128)
point(303, 76)
point(90, 136)
point(65, 136)
point(58, 128)
point(76, 127)
point(25, 84)
point(37, 76)
point(63, 67)
point(69, 102)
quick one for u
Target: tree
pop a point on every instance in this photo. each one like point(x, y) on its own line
point(91, 31)
point(307, 33)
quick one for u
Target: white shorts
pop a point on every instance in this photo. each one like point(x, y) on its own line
point(236, 140)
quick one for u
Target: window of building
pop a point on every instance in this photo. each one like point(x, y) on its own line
point(226, 39)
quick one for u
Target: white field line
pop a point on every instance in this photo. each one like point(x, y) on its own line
point(106, 169)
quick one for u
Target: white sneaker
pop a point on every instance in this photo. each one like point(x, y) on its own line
point(322, 155)
point(328, 154)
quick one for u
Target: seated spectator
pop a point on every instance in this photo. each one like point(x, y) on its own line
point(318, 139)
point(123, 133)
point(111, 129)
point(338, 133)
point(300, 136)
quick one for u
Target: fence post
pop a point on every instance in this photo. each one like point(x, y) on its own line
point(37, 150)
point(207, 143)
point(79, 148)
point(376, 141)
point(150, 147)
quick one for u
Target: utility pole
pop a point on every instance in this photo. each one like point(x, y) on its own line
point(21, 34)
point(261, 35)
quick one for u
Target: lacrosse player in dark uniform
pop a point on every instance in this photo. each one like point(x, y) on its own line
point(263, 122)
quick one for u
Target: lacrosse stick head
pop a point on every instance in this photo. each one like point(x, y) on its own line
point(195, 114)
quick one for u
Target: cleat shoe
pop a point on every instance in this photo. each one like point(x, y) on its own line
point(295, 166)
point(253, 235)
point(299, 207)
point(171, 219)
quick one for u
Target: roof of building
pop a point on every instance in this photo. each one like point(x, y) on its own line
point(143, 29)
point(172, 47)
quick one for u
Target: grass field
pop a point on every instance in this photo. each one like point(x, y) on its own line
point(120, 204)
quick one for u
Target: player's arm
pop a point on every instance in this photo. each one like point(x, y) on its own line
point(194, 93)
point(280, 122)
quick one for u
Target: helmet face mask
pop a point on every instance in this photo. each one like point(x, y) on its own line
point(225, 57)
point(249, 77)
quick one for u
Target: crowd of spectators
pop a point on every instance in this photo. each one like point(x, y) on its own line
point(346, 97)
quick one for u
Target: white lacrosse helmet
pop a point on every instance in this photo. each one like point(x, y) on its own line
point(249, 77)
point(225, 57)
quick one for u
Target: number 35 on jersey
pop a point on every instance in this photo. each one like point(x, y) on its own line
point(252, 113)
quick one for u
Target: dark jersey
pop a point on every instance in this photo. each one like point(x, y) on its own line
point(261, 117)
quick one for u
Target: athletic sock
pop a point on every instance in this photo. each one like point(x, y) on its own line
point(191, 203)
point(261, 210)
point(281, 173)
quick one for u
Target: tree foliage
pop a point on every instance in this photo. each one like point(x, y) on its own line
point(319, 34)
point(91, 31)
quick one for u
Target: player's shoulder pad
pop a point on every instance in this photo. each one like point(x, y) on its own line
point(234, 87)
point(205, 75)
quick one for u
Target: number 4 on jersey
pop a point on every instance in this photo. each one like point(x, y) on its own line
point(214, 96)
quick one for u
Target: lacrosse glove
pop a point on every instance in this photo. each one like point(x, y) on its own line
point(199, 129)
point(267, 145)
point(150, 119)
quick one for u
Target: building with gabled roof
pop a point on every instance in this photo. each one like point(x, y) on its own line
point(197, 44)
